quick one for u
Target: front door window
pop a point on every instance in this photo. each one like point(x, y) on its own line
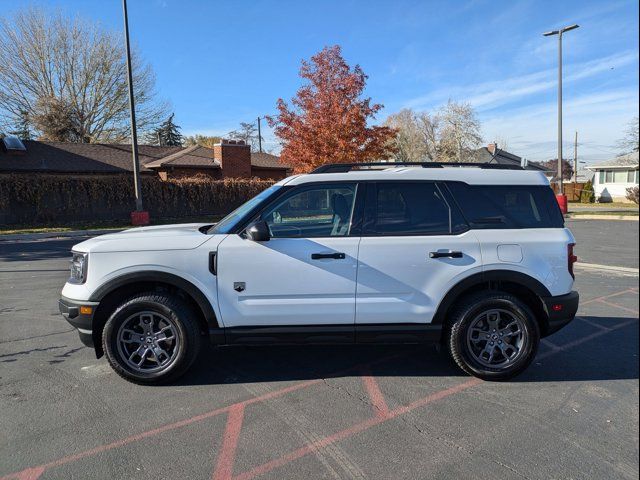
point(318, 211)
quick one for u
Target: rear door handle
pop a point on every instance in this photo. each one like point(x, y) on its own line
point(319, 256)
point(445, 254)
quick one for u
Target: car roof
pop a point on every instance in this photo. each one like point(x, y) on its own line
point(469, 175)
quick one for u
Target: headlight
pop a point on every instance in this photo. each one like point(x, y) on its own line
point(79, 267)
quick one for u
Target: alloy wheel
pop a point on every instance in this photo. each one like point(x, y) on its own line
point(148, 342)
point(495, 338)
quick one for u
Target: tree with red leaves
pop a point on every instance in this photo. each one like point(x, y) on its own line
point(328, 120)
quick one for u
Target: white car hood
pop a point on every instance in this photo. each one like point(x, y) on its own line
point(183, 236)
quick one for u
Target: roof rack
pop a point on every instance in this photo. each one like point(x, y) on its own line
point(347, 167)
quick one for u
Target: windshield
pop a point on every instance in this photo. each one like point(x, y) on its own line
point(229, 222)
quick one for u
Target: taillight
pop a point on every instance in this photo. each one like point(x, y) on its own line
point(572, 258)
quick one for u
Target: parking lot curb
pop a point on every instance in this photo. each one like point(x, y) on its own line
point(607, 268)
point(64, 234)
point(602, 217)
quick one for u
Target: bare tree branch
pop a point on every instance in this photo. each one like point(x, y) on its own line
point(48, 59)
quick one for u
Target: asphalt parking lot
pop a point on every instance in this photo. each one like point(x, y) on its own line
point(386, 412)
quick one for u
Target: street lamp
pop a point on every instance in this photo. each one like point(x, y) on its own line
point(559, 33)
point(139, 217)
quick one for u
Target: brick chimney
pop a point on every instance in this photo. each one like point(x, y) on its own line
point(492, 148)
point(234, 157)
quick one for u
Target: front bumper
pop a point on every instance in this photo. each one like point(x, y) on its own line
point(80, 315)
point(561, 310)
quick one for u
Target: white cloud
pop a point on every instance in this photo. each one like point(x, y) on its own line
point(599, 118)
point(488, 95)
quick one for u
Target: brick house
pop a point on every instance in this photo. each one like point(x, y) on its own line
point(229, 159)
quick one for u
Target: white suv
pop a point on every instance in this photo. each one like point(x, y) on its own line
point(477, 259)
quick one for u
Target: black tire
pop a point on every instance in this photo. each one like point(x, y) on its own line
point(184, 326)
point(461, 347)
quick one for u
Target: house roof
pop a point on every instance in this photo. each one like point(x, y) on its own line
point(266, 160)
point(584, 174)
point(193, 156)
point(80, 157)
point(64, 157)
point(622, 161)
point(502, 157)
point(202, 157)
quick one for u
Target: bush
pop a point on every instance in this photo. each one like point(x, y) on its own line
point(587, 194)
point(632, 194)
point(47, 199)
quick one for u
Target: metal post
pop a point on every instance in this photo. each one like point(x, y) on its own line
point(134, 136)
point(559, 33)
point(560, 185)
point(575, 159)
point(259, 137)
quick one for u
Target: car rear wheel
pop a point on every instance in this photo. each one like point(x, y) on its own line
point(151, 338)
point(493, 335)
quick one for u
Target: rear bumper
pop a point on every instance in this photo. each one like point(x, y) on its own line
point(561, 310)
point(82, 321)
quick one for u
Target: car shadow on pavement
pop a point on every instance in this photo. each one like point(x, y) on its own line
point(35, 251)
point(606, 348)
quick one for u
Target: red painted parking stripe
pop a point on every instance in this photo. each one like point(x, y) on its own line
point(28, 474)
point(610, 304)
point(375, 395)
point(579, 341)
point(33, 473)
point(354, 429)
point(226, 458)
point(605, 297)
point(593, 324)
point(155, 431)
point(549, 344)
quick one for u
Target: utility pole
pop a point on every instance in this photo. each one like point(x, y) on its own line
point(134, 136)
point(559, 33)
point(575, 159)
point(259, 136)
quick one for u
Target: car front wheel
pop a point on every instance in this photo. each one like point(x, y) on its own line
point(493, 335)
point(151, 338)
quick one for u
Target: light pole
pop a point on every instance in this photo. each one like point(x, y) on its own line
point(138, 217)
point(559, 33)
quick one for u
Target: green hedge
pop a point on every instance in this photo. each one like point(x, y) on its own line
point(51, 199)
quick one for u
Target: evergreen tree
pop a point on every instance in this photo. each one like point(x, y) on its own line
point(170, 135)
point(23, 128)
point(166, 135)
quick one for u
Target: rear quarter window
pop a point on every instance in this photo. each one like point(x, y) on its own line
point(507, 206)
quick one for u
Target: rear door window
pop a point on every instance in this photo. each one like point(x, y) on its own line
point(408, 208)
point(507, 206)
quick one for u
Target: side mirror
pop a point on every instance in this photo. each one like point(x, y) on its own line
point(259, 232)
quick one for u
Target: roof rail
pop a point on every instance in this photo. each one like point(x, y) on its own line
point(347, 167)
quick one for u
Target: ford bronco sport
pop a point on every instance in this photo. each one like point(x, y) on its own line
point(474, 257)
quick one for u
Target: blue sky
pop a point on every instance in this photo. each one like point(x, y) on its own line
point(222, 62)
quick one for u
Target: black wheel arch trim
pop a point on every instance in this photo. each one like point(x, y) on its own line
point(487, 278)
point(160, 277)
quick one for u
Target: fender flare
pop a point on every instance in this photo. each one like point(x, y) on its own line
point(487, 278)
point(161, 277)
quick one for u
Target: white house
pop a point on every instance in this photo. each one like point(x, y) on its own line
point(612, 178)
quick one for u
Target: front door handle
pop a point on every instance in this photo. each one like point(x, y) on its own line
point(445, 254)
point(319, 256)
